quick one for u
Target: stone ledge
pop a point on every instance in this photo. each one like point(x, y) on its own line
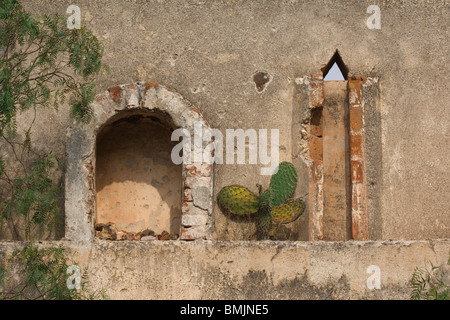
point(238, 243)
point(207, 269)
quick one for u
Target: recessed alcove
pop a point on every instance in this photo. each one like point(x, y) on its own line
point(138, 187)
point(339, 131)
point(119, 167)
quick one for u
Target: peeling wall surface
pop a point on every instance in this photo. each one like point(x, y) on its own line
point(247, 65)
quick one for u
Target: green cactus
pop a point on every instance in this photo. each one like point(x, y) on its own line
point(265, 199)
point(263, 223)
point(282, 183)
point(273, 206)
point(237, 200)
point(287, 212)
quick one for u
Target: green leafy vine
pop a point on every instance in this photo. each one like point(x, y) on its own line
point(42, 63)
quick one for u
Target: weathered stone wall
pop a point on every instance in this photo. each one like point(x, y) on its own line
point(209, 51)
point(252, 270)
point(240, 63)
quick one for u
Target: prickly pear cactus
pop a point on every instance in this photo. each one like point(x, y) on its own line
point(263, 223)
point(287, 212)
point(282, 184)
point(237, 200)
point(265, 199)
point(273, 205)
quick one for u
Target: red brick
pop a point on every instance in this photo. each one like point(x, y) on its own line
point(184, 207)
point(184, 234)
point(357, 171)
point(316, 124)
point(316, 148)
point(187, 195)
point(356, 145)
point(149, 84)
point(190, 234)
point(354, 91)
point(116, 93)
point(193, 171)
point(355, 118)
point(186, 184)
point(316, 96)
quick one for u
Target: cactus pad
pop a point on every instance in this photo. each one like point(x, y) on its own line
point(237, 200)
point(282, 184)
point(287, 212)
point(263, 223)
point(265, 199)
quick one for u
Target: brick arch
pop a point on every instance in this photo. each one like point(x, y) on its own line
point(197, 189)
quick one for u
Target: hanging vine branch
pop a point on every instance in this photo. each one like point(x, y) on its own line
point(42, 64)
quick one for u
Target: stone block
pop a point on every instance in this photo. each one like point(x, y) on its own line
point(201, 196)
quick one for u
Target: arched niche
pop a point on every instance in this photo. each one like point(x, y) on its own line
point(144, 114)
point(137, 186)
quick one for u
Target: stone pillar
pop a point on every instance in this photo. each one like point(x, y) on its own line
point(336, 163)
point(360, 225)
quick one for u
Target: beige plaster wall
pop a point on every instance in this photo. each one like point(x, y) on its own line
point(209, 52)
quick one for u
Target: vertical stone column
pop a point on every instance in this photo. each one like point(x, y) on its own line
point(336, 162)
point(360, 228)
point(316, 154)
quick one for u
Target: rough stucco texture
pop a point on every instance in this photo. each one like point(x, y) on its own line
point(245, 270)
point(209, 51)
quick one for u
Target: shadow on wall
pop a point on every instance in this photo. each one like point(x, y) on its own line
point(137, 185)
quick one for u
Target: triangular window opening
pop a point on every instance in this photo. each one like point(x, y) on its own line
point(334, 74)
point(335, 69)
